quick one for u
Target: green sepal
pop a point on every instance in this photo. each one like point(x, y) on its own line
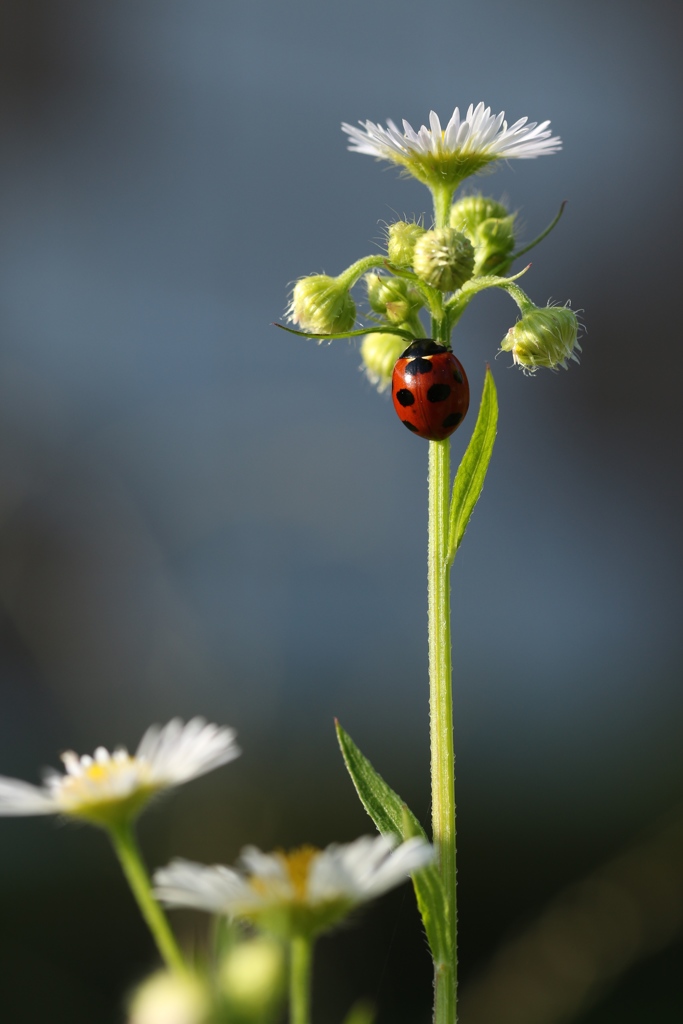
point(349, 334)
point(392, 817)
point(471, 474)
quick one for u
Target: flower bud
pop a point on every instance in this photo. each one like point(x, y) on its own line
point(380, 352)
point(494, 244)
point(393, 297)
point(444, 258)
point(490, 229)
point(169, 999)
point(252, 978)
point(401, 242)
point(471, 211)
point(543, 337)
point(322, 305)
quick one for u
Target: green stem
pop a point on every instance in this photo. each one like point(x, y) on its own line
point(441, 715)
point(443, 198)
point(349, 276)
point(301, 957)
point(440, 678)
point(134, 869)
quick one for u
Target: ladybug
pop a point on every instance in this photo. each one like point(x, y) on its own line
point(429, 390)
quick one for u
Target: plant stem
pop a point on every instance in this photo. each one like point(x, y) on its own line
point(440, 679)
point(441, 714)
point(127, 851)
point(443, 198)
point(349, 276)
point(301, 956)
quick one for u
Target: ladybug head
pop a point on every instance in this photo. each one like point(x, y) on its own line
point(423, 347)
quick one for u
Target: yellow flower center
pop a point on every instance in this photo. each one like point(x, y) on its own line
point(103, 782)
point(297, 864)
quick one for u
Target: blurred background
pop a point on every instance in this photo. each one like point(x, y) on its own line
point(202, 515)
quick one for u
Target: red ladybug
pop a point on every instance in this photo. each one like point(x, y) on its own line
point(429, 389)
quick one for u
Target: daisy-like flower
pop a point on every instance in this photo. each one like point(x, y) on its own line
point(445, 156)
point(110, 788)
point(302, 892)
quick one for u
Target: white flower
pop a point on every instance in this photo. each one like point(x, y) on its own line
point(444, 156)
point(304, 890)
point(106, 788)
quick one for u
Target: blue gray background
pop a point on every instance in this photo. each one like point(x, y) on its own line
point(201, 514)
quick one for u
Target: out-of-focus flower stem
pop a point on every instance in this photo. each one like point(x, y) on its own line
point(301, 957)
point(126, 847)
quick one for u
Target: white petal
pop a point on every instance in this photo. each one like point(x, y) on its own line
point(217, 889)
point(401, 862)
point(18, 798)
point(178, 753)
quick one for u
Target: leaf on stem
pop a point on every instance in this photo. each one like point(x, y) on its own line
point(373, 329)
point(392, 817)
point(471, 474)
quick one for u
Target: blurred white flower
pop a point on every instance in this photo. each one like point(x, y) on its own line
point(445, 156)
point(305, 890)
point(107, 788)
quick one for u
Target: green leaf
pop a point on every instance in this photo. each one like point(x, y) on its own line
point(392, 817)
point(471, 474)
point(372, 329)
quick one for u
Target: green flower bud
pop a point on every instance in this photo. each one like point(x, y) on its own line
point(489, 228)
point(252, 978)
point(543, 337)
point(169, 999)
point(393, 297)
point(471, 211)
point(380, 352)
point(444, 258)
point(401, 242)
point(322, 305)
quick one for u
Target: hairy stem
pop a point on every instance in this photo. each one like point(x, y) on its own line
point(440, 679)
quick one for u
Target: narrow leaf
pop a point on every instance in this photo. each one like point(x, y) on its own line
point(372, 329)
point(543, 234)
point(392, 817)
point(471, 474)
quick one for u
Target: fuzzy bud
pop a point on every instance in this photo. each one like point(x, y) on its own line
point(471, 211)
point(444, 259)
point(490, 229)
point(380, 352)
point(401, 242)
point(543, 337)
point(169, 999)
point(252, 978)
point(392, 297)
point(322, 305)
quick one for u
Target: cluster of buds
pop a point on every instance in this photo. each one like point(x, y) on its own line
point(490, 229)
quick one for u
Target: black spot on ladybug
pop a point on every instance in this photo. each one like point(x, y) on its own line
point(405, 397)
point(452, 420)
point(438, 392)
point(410, 426)
point(419, 365)
point(458, 376)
